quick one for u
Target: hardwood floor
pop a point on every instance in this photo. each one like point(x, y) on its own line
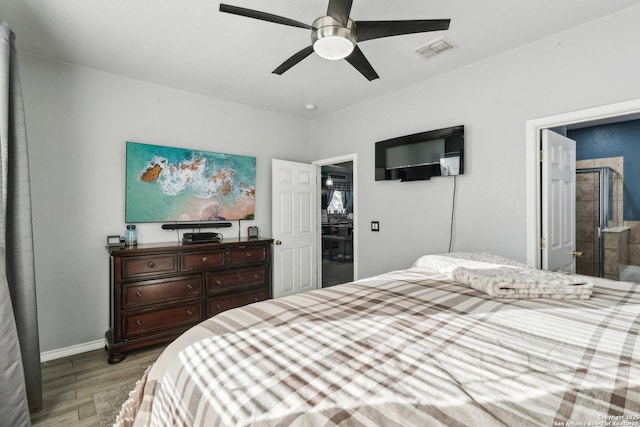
point(336, 272)
point(70, 384)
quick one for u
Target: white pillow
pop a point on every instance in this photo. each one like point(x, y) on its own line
point(446, 263)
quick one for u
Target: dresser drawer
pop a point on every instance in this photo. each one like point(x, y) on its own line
point(247, 255)
point(224, 280)
point(152, 292)
point(218, 305)
point(168, 318)
point(159, 290)
point(149, 265)
point(201, 260)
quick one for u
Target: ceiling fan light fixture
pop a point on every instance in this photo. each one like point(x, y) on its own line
point(332, 40)
point(333, 48)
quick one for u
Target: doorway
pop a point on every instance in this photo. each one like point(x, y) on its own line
point(600, 115)
point(337, 221)
point(337, 211)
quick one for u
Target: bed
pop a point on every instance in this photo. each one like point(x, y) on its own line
point(407, 348)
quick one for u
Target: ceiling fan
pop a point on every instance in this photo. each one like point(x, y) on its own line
point(335, 36)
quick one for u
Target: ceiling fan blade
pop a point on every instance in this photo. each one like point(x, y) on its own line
point(250, 13)
point(360, 63)
point(367, 30)
point(297, 57)
point(340, 10)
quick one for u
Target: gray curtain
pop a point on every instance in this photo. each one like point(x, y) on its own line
point(20, 376)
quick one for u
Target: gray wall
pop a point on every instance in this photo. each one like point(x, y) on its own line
point(494, 98)
point(78, 121)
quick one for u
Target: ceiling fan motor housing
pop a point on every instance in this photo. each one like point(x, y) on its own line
point(331, 39)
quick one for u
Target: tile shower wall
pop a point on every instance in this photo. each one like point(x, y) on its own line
point(634, 242)
point(587, 208)
point(616, 252)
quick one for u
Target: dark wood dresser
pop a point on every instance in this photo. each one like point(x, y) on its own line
point(158, 291)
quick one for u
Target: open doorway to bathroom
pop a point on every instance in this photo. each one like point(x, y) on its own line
point(607, 219)
point(607, 200)
point(338, 222)
point(590, 117)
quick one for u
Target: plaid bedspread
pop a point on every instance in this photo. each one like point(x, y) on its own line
point(407, 348)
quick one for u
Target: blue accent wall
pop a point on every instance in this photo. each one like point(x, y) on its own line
point(614, 140)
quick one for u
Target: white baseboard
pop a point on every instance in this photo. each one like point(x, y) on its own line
point(70, 351)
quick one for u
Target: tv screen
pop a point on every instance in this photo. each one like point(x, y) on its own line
point(417, 154)
point(167, 184)
point(421, 155)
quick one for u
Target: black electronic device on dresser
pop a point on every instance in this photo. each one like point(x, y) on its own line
point(191, 238)
point(158, 291)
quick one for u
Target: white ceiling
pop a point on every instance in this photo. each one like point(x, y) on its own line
point(190, 45)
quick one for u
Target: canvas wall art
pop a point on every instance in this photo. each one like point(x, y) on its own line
point(168, 184)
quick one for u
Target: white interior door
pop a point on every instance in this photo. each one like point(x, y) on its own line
point(558, 202)
point(294, 217)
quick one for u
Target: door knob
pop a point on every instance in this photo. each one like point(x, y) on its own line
point(576, 253)
point(278, 242)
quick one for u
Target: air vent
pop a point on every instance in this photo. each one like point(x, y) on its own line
point(435, 47)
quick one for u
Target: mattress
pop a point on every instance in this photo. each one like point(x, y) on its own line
point(405, 348)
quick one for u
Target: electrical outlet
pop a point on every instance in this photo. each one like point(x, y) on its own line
point(375, 225)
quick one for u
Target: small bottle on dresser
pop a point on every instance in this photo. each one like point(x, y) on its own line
point(131, 236)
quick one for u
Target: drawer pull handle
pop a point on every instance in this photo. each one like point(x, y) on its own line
point(151, 264)
point(256, 299)
point(189, 286)
point(138, 293)
point(204, 259)
point(218, 282)
point(248, 254)
point(256, 276)
point(139, 323)
point(189, 312)
point(218, 307)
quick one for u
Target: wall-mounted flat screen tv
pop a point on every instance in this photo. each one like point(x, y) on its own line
point(167, 184)
point(421, 155)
